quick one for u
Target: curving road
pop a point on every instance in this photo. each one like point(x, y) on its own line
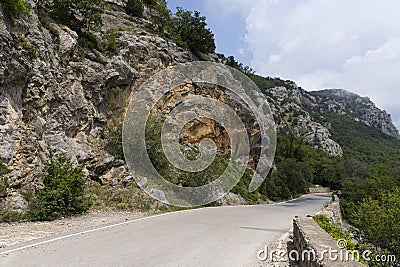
point(222, 236)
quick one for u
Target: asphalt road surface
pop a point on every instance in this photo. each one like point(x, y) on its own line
point(222, 236)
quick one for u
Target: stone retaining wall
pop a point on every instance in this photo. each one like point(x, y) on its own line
point(315, 190)
point(314, 243)
point(333, 211)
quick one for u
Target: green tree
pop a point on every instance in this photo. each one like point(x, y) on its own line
point(242, 187)
point(378, 221)
point(62, 194)
point(134, 8)
point(354, 192)
point(150, 2)
point(274, 188)
point(189, 29)
point(14, 8)
point(80, 15)
point(161, 18)
point(90, 13)
point(297, 175)
point(231, 61)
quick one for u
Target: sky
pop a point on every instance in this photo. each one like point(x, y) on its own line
point(319, 44)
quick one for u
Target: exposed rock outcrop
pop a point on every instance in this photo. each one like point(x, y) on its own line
point(53, 100)
point(287, 106)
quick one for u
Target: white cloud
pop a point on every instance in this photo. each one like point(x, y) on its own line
point(353, 45)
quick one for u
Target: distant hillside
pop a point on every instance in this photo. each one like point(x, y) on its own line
point(360, 108)
point(318, 115)
point(361, 141)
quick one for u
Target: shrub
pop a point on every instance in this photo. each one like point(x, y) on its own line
point(231, 61)
point(113, 137)
point(378, 220)
point(80, 15)
point(3, 186)
point(112, 46)
point(161, 18)
point(30, 49)
point(242, 188)
point(134, 8)
point(62, 194)
point(9, 216)
point(89, 42)
point(334, 230)
point(3, 169)
point(14, 8)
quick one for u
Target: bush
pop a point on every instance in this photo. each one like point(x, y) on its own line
point(113, 137)
point(112, 45)
point(62, 194)
point(334, 230)
point(80, 15)
point(378, 220)
point(89, 42)
point(161, 18)
point(3, 186)
point(9, 216)
point(3, 169)
point(30, 49)
point(14, 8)
point(242, 188)
point(134, 8)
point(231, 61)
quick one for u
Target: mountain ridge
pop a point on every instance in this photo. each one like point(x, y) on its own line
point(360, 108)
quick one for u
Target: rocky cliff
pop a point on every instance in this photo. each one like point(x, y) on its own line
point(53, 100)
point(287, 103)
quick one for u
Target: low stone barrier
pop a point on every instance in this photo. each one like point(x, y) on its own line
point(316, 248)
point(314, 190)
point(332, 211)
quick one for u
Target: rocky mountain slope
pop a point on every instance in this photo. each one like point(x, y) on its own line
point(360, 108)
point(301, 111)
point(54, 99)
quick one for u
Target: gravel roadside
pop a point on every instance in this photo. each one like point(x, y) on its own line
point(16, 233)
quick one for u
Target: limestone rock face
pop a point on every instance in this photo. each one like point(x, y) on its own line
point(287, 104)
point(59, 101)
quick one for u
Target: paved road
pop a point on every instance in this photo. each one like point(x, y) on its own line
point(223, 236)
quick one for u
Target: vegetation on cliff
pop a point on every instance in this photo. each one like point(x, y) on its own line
point(14, 8)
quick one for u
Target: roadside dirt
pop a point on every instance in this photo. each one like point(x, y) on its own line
point(16, 233)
